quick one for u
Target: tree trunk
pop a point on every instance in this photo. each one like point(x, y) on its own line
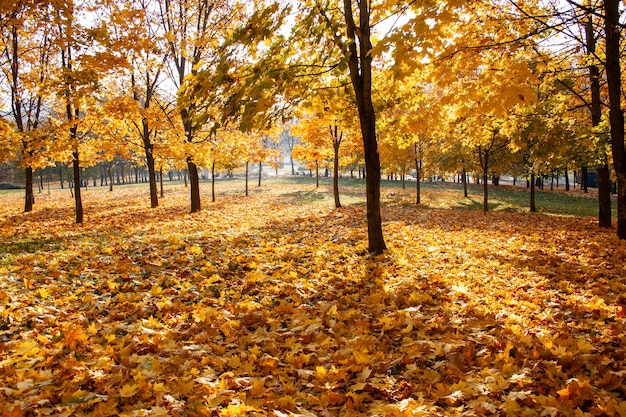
point(533, 206)
point(418, 191)
point(195, 185)
point(247, 166)
point(213, 182)
point(317, 174)
point(604, 176)
point(360, 67)
point(566, 179)
point(464, 182)
point(336, 144)
point(29, 198)
point(77, 197)
point(604, 196)
point(161, 181)
point(260, 173)
point(148, 149)
point(616, 114)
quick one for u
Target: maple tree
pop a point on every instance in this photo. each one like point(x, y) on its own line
point(193, 30)
point(26, 50)
point(562, 17)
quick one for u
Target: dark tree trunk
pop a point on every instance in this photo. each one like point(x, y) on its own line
point(109, 168)
point(317, 174)
point(29, 198)
point(247, 170)
point(195, 185)
point(337, 137)
point(533, 206)
point(566, 179)
point(77, 197)
point(213, 182)
point(260, 173)
point(418, 179)
point(161, 181)
point(604, 196)
point(360, 67)
point(604, 176)
point(149, 149)
point(464, 182)
point(616, 114)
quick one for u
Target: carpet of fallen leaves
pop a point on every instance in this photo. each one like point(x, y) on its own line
point(269, 305)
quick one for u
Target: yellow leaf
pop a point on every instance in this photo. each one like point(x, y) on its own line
point(128, 390)
point(321, 372)
point(258, 387)
point(156, 290)
point(360, 357)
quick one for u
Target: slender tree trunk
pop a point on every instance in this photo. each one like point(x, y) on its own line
point(247, 170)
point(616, 114)
point(485, 193)
point(195, 185)
point(583, 179)
point(418, 191)
point(604, 177)
point(149, 149)
point(317, 174)
point(464, 182)
point(161, 181)
point(29, 198)
point(337, 138)
point(533, 206)
point(77, 196)
point(213, 182)
point(360, 67)
point(260, 173)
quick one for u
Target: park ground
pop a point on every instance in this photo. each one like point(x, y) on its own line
point(269, 305)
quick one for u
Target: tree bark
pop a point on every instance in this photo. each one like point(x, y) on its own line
point(213, 182)
point(337, 137)
point(161, 182)
point(78, 201)
point(247, 166)
point(317, 174)
point(604, 177)
point(533, 206)
point(195, 185)
point(418, 190)
point(149, 148)
point(360, 67)
point(29, 198)
point(464, 175)
point(616, 114)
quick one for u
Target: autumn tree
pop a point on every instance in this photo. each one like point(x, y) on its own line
point(193, 30)
point(599, 20)
point(131, 36)
point(26, 60)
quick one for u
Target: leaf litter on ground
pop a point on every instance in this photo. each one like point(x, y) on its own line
point(267, 305)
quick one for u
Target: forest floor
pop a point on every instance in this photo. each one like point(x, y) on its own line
point(270, 305)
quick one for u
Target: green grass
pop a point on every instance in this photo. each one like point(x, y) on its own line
point(434, 194)
point(450, 195)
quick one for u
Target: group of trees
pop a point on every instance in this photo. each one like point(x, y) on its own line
point(491, 87)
